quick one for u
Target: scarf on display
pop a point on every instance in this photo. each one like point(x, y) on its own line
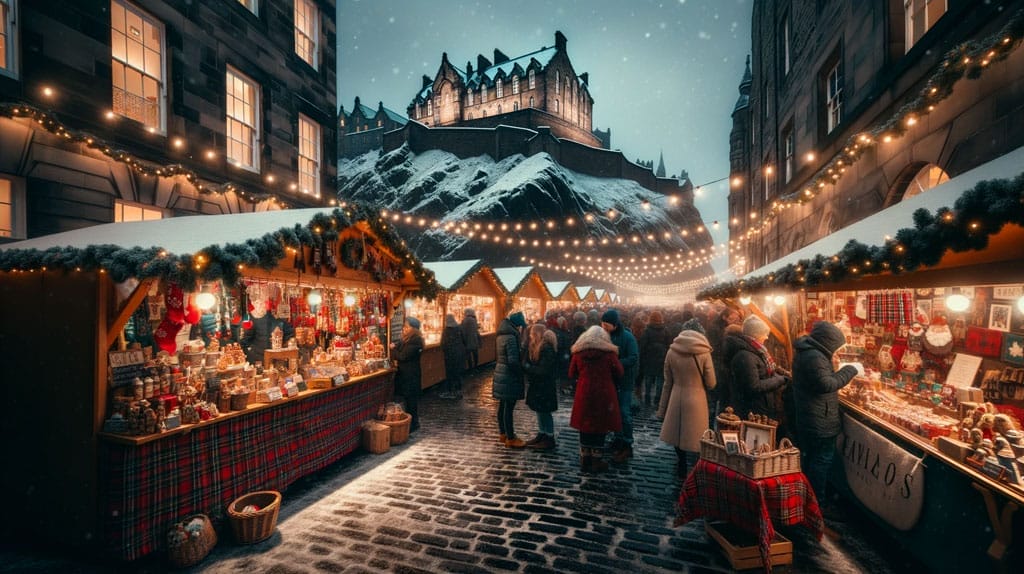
point(891, 307)
point(768, 360)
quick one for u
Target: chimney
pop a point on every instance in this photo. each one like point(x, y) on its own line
point(499, 57)
point(482, 63)
point(585, 76)
point(427, 80)
point(560, 41)
point(356, 107)
point(469, 70)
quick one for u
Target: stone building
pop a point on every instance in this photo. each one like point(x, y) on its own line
point(831, 111)
point(362, 129)
point(501, 92)
point(118, 110)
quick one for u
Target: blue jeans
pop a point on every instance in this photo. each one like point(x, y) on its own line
point(816, 459)
point(625, 392)
point(546, 424)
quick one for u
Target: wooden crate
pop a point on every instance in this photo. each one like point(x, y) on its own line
point(741, 547)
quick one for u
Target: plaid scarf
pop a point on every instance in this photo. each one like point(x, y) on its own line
point(768, 360)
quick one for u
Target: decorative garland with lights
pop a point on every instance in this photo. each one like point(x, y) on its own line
point(979, 213)
point(226, 262)
point(966, 60)
point(50, 122)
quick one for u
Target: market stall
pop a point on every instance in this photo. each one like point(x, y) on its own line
point(603, 298)
point(526, 291)
point(140, 343)
point(931, 442)
point(466, 284)
point(564, 296)
point(586, 296)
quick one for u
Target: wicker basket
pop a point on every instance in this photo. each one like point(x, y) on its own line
point(194, 548)
point(399, 428)
point(376, 437)
point(240, 400)
point(256, 525)
point(785, 460)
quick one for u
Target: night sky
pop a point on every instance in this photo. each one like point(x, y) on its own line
point(663, 73)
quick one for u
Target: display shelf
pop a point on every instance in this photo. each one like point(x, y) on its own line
point(251, 408)
point(929, 449)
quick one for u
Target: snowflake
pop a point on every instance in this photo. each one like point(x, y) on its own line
point(1016, 350)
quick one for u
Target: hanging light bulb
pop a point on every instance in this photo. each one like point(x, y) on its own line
point(780, 300)
point(315, 298)
point(745, 300)
point(205, 301)
point(349, 300)
point(957, 301)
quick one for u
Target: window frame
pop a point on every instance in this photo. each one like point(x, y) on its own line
point(120, 205)
point(251, 5)
point(531, 79)
point(161, 98)
point(499, 89)
point(9, 41)
point(16, 208)
point(256, 119)
point(515, 85)
point(833, 100)
point(788, 152)
point(317, 161)
point(785, 48)
point(910, 39)
point(312, 35)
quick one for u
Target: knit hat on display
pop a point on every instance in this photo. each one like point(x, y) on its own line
point(413, 322)
point(754, 327)
point(517, 319)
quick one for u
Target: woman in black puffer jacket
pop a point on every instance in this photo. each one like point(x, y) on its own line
point(815, 390)
point(757, 381)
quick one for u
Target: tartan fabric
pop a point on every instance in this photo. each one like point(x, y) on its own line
point(720, 493)
point(891, 307)
point(149, 487)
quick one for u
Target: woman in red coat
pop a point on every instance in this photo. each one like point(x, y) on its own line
point(595, 410)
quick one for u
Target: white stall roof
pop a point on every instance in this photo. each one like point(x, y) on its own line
point(872, 230)
point(511, 278)
point(557, 288)
point(599, 293)
point(176, 235)
point(582, 291)
point(450, 273)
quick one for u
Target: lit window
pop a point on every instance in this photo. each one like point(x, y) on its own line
point(430, 107)
point(469, 98)
point(243, 133)
point(558, 78)
point(834, 96)
point(785, 46)
point(124, 211)
point(7, 209)
point(307, 23)
point(788, 151)
point(136, 49)
point(515, 84)
point(250, 4)
point(928, 177)
point(556, 106)
point(499, 88)
point(531, 79)
point(309, 156)
point(920, 16)
point(8, 46)
point(515, 106)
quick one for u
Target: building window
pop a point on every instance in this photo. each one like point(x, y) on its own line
point(515, 85)
point(920, 16)
point(515, 106)
point(531, 79)
point(788, 150)
point(136, 50)
point(307, 24)
point(469, 98)
point(12, 206)
point(556, 106)
point(558, 78)
point(250, 5)
point(419, 112)
point(483, 94)
point(125, 211)
point(430, 107)
point(499, 108)
point(531, 101)
point(8, 46)
point(766, 177)
point(309, 156)
point(499, 88)
point(243, 132)
point(834, 96)
point(784, 46)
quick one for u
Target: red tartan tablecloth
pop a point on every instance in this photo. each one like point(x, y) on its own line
point(720, 493)
point(149, 487)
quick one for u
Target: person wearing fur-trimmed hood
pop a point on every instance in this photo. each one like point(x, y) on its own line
point(595, 409)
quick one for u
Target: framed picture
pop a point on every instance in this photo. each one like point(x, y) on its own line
point(924, 307)
point(1007, 291)
point(999, 317)
point(756, 434)
point(731, 440)
point(1013, 350)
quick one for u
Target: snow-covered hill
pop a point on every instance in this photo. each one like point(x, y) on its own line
point(439, 185)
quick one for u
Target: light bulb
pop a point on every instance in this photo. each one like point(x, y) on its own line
point(1020, 304)
point(780, 300)
point(957, 302)
point(315, 298)
point(350, 300)
point(745, 300)
point(408, 304)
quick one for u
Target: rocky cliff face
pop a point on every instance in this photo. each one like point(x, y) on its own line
point(438, 185)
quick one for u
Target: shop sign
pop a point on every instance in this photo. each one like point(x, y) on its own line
point(884, 477)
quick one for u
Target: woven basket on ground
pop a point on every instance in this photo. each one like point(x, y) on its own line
point(254, 526)
point(192, 550)
point(399, 428)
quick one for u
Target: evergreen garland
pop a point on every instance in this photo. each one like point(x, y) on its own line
point(979, 213)
point(226, 262)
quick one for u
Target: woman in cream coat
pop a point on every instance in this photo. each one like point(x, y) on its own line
point(689, 374)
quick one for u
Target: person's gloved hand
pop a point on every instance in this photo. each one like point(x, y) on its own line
point(855, 365)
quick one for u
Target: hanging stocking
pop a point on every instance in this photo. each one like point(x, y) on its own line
point(165, 334)
point(175, 302)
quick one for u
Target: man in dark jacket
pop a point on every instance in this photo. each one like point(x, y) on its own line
point(716, 336)
point(508, 386)
point(816, 386)
point(257, 339)
point(654, 345)
point(757, 381)
point(629, 356)
point(453, 346)
point(471, 334)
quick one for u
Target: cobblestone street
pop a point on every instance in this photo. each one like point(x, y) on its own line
point(453, 500)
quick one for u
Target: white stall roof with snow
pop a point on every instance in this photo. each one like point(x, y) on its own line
point(511, 278)
point(582, 292)
point(599, 293)
point(450, 273)
point(557, 288)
